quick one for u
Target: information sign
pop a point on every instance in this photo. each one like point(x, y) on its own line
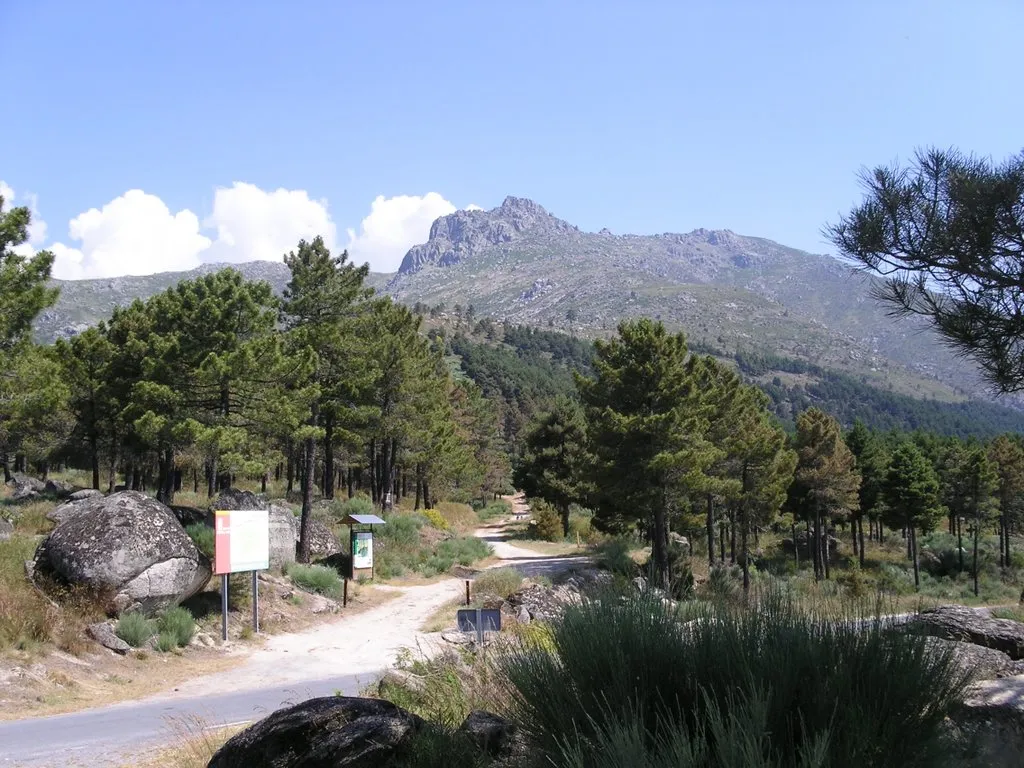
point(241, 540)
point(362, 550)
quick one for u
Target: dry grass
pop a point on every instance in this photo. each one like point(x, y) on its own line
point(460, 517)
point(193, 742)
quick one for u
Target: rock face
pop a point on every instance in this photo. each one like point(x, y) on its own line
point(322, 541)
point(73, 507)
point(129, 544)
point(25, 488)
point(972, 625)
point(284, 535)
point(192, 515)
point(85, 493)
point(58, 488)
point(492, 734)
point(233, 498)
point(992, 721)
point(987, 663)
point(330, 732)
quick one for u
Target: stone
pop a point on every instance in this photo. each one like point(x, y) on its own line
point(85, 493)
point(69, 509)
point(103, 633)
point(492, 734)
point(58, 488)
point(544, 603)
point(971, 625)
point(130, 545)
point(991, 722)
point(235, 498)
point(987, 663)
point(284, 534)
point(322, 541)
point(19, 480)
point(192, 515)
point(328, 732)
point(318, 604)
point(523, 616)
point(6, 529)
point(640, 583)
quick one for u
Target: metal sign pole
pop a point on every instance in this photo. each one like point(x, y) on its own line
point(224, 607)
point(255, 602)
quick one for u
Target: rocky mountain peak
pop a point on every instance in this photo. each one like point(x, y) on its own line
point(457, 236)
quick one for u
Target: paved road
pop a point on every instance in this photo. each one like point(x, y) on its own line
point(110, 736)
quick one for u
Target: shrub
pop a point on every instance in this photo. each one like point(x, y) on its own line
point(500, 582)
point(178, 624)
point(401, 530)
point(135, 629)
point(769, 687)
point(460, 517)
point(722, 585)
point(316, 578)
point(580, 525)
point(202, 537)
point(357, 505)
point(493, 509)
point(464, 550)
point(166, 642)
point(547, 523)
point(613, 555)
point(436, 519)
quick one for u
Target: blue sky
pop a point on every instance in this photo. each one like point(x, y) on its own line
point(641, 117)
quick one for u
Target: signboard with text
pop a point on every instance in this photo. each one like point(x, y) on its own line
point(241, 541)
point(362, 550)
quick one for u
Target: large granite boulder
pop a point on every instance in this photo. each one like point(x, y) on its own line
point(986, 663)
point(990, 724)
point(85, 493)
point(329, 732)
point(130, 545)
point(971, 625)
point(25, 487)
point(73, 507)
point(235, 498)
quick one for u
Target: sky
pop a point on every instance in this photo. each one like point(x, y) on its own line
point(156, 136)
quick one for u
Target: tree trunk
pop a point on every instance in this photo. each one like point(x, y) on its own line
point(917, 570)
point(263, 483)
point(195, 481)
point(211, 478)
point(350, 478)
point(796, 549)
point(419, 486)
point(860, 530)
point(373, 470)
point(165, 475)
point(309, 462)
point(659, 547)
point(853, 535)
point(427, 502)
point(94, 455)
point(5, 460)
point(732, 537)
point(743, 550)
point(564, 510)
point(960, 542)
point(816, 544)
point(977, 536)
point(290, 469)
point(826, 551)
point(329, 457)
point(710, 522)
point(1003, 563)
point(721, 541)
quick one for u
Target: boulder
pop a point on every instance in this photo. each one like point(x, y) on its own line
point(131, 545)
point(991, 723)
point(19, 480)
point(491, 734)
point(971, 625)
point(329, 732)
point(104, 634)
point(191, 515)
point(69, 509)
point(6, 529)
point(58, 488)
point(235, 498)
point(322, 541)
point(85, 493)
point(987, 663)
point(284, 534)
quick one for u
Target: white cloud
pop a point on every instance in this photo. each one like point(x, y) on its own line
point(394, 225)
point(36, 227)
point(134, 234)
point(137, 234)
point(255, 225)
point(7, 194)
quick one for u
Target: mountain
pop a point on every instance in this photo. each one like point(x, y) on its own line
point(736, 294)
point(85, 302)
point(726, 290)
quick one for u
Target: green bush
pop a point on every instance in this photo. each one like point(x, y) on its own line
point(613, 555)
point(770, 687)
point(492, 510)
point(135, 629)
point(178, 623)
point(357, 505)
point(401, 530)
point(166, 642)
point(580, 524)
point(547, 523)
point(499, 582)
point(316, 578)
point(202, 536)
point(464, 550)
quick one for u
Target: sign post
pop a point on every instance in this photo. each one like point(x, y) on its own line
point(241, 543)
point(360, 546)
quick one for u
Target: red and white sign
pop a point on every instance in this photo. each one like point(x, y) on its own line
point(241, 541)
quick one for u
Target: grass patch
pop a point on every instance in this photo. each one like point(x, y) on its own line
point(1013, 613)
point(316, 578)
point(499, 582)
point(460, 517)
point(26, 619)
point(135, 629)
point(406, 543)
point(193, 742)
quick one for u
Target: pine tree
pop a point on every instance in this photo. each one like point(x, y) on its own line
point(1007, 455)
point(85, 359)
point(827, 483)
point(912, 496)
point(24, 289)
point(647, 432)
point(872, 463)
point(555, 459)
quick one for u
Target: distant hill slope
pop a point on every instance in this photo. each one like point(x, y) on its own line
point(85, 302)
point(733, 293)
